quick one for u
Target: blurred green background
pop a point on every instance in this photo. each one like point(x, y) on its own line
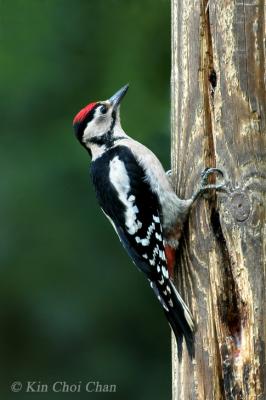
point(72, 305)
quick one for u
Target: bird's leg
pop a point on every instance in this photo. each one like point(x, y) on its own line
point(185, 205)
point(204, 185)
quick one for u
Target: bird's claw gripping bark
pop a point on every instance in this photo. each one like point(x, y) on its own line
point(205, 186)
point(205, 175)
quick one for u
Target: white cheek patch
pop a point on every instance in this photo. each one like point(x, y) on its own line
point(120, 180)
point(97, 126)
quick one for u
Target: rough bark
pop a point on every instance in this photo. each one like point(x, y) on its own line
point(219, 119)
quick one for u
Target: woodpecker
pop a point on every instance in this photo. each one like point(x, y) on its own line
point(137, 197)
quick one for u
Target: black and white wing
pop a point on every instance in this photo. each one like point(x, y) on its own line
point(125, 195)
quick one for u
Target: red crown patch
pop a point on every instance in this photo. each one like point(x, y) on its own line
point(81, 115)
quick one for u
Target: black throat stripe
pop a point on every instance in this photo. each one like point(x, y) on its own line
point(107, 139)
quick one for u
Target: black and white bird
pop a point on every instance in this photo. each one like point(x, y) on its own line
point(136, 195)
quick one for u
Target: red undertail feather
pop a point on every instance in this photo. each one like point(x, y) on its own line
point(170, 258)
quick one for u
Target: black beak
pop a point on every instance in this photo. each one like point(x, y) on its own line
point(115, 100)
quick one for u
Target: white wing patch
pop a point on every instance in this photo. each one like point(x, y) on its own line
point(165, 272)
point(158, 236)
point(156, 219)
point(161, 281)
point(146, 241)
point(154, 253)
point(120, 180)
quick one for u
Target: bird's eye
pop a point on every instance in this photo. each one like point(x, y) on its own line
point(103, 109)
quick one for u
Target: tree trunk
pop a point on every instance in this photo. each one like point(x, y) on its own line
point(219, 119)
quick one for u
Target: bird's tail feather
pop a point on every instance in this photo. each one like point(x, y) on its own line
point(181, 322)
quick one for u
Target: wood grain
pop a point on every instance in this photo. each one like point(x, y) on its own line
point(219, 119)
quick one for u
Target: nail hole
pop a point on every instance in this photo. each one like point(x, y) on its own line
point(213, 79)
